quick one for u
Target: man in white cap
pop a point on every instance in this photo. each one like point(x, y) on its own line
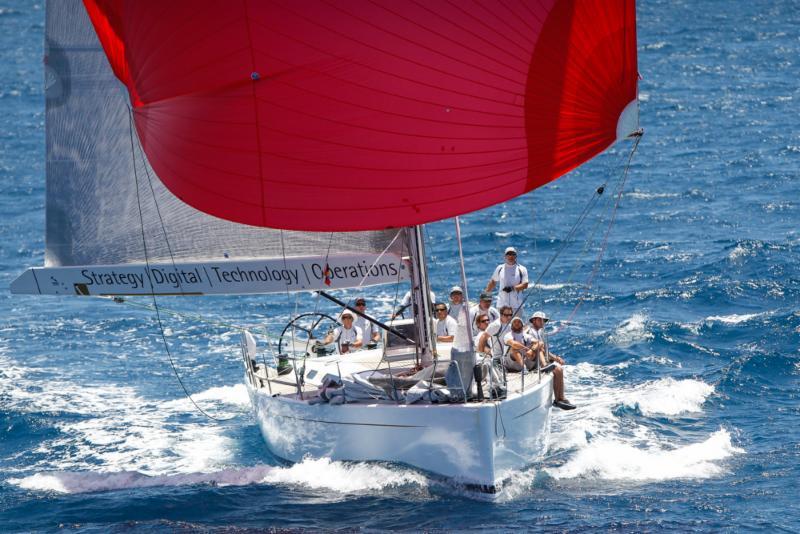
point(512, 279)
point(537, 333)
point(456, 302)
point(347, 336)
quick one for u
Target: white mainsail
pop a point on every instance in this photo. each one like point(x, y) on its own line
point(114, 229)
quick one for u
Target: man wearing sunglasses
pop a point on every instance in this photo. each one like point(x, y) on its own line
point(512, 279)
point(493, 335)
point(444, 325)
point(536, 332)
point(484, 306)
point(370, 332)
point(481, 323)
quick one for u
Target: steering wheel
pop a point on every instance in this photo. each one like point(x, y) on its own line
point(300, 334)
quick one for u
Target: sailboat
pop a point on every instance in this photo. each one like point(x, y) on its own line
point(199, 147)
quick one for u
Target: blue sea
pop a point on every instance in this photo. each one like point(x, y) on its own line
point(682, 339)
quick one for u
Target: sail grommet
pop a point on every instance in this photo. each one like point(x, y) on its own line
point(255, 76)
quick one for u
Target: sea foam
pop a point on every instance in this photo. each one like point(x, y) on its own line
point(339, 477)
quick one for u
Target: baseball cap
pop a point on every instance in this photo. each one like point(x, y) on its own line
point(486, 296)
point(456, 289)
point(345, 313)
point(510, 250)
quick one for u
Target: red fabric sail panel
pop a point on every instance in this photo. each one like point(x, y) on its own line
point(339, 116)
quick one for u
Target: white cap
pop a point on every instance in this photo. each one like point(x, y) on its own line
point(516, 319)
point(456, 289)
point(539, 315)
point(346, 312)
point(510, 249)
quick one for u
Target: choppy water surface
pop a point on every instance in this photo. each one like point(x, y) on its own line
point(684, 351)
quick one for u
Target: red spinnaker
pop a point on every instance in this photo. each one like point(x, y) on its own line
point(358, 115)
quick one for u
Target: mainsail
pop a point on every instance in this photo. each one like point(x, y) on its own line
point(342, 116)
point(98, 223)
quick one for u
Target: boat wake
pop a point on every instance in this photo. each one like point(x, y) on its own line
point(110, 438)
point(322, 474)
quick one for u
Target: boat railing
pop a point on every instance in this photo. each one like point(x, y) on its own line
point(492, 374)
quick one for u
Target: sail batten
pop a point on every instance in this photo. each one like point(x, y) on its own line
point(314, 116)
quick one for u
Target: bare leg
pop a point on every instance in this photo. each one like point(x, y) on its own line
point(558, 383)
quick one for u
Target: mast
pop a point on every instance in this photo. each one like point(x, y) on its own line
point(420, 296)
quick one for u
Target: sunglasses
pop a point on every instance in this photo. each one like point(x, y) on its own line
point(483, 321)
point(441, 309)
point(361, 303)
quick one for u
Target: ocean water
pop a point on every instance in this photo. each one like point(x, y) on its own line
point(683, 352)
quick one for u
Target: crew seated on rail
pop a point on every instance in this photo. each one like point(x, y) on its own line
point(348, 337)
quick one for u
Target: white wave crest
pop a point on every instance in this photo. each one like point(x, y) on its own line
point(650, 196)
point(613, 459)
point(316, 474)
point(631, 331)
point(669, 396)
point(733, 318)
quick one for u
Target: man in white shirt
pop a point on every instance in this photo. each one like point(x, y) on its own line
point(406, 303)
point(512, 279)
point(370, 332)
point(347, 336)
point(456, 302)
point(484, 305)
point(537, 333)
point(444, 325)
point(493, 335)
point(522, 349)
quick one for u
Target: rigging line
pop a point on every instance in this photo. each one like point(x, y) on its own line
point(589, 241)
point(566, 241)
point(604, 244)
point(149, 279)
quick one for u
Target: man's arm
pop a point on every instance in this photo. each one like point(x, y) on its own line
point(482, 342)
point(329, 337)
point(490, 286)
point(359, 337)
point(523, 279)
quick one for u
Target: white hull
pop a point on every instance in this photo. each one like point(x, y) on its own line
point(477, 444)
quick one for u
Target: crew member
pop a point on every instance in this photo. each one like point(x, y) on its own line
point(347, 336)
point(444, 325)
point(456, 302)
point(512, 279)
point(370, 332)
point(493, 335)
point(537, 333)
point(484, 305)
point(522, 349)
point(406, 303)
